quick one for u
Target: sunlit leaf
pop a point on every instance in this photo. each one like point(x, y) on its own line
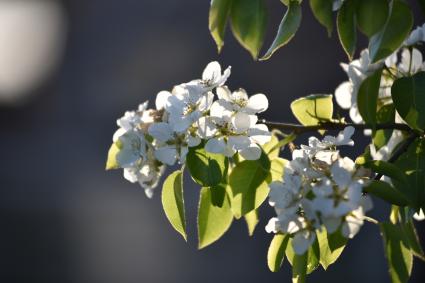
point(399, 256)
point(372, 15)
point(206, 169)
point(392, 35)
point(346, 26)
point(276, 252)
point(331, 246)
point(173, 203)
point(287, 28)
point(252, 219)
point(112, 162)
point(248, 185)
point(322, 10)
point(313, 109)
point(219, 13)
point(249, 19)
point(213, 221)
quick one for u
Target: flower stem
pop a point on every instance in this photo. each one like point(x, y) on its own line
point(299, 129)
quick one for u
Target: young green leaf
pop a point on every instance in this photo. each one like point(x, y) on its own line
point(385, 115)
point(372, 15)
point(346, 26)
point(409, 99)
point(112, 162)
point(313, 109)
point(331, 246)
point(412, 162)
point(413, 240)
point(248, 185)
point(287, 28)
point(206, 169)
point(322, 10)
point(386, 192)
point(249, 19)
point(276, 252)
point(218, 194)
point(252, 219)
point(173, 203)
point(219, 13)
point(387, 169)
point(277, 168)
point(313, 255)
point(399, 256)
point(213, 221)
point(367, 97)
point(299, 268)
point(394, 32)
point(271, 148)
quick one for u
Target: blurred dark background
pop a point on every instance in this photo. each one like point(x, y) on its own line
point(68, 70)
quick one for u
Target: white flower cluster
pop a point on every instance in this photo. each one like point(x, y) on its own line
point(404, 62)
point(319, 187)
point(150, 139)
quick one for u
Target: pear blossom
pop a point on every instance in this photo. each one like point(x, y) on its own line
point(419, 216)
point(319, 188)
point(416, 36)
point(169, 145)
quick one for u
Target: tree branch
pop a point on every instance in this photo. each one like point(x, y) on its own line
point(299, 129)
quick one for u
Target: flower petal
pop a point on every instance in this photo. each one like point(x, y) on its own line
point(215, 145)
point(162, 99)
point(206, 128)
point(256, 104)
point(161, 131)
point(166, 155)
point(252, 152)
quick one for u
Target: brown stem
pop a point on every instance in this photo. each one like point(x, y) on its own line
point(299, 129)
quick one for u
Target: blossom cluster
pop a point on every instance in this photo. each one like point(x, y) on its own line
point(188, 116)
point(406, 61)
point(319, 189)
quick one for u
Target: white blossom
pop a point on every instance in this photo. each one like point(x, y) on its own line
point(416, 36)
point(319, 188)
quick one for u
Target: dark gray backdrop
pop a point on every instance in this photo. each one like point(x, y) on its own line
point(64, 219)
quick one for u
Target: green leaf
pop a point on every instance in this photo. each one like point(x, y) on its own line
point(249, 19)
point(206, 169)
point(346, 26)
point(385, 115)
point(412, 162)
point(331, 246)
point(276, 252)
point(299, 268)
point(219, 13)
point(218, 194)
point(173, 203)
point(387, 169)
point(395, 31)
point(287, 28)
point(408, 94)
point(271, 148)
point(112, 162)
point(372, 15)
point(248, 185)
point(386, 192)
point(413, 240)
point(322, 10)
point(277, 168)
point(252, 220)
point(313, 109)
point(313, 255)
point(399, 256)
point(213, 221)
point(367, 97)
